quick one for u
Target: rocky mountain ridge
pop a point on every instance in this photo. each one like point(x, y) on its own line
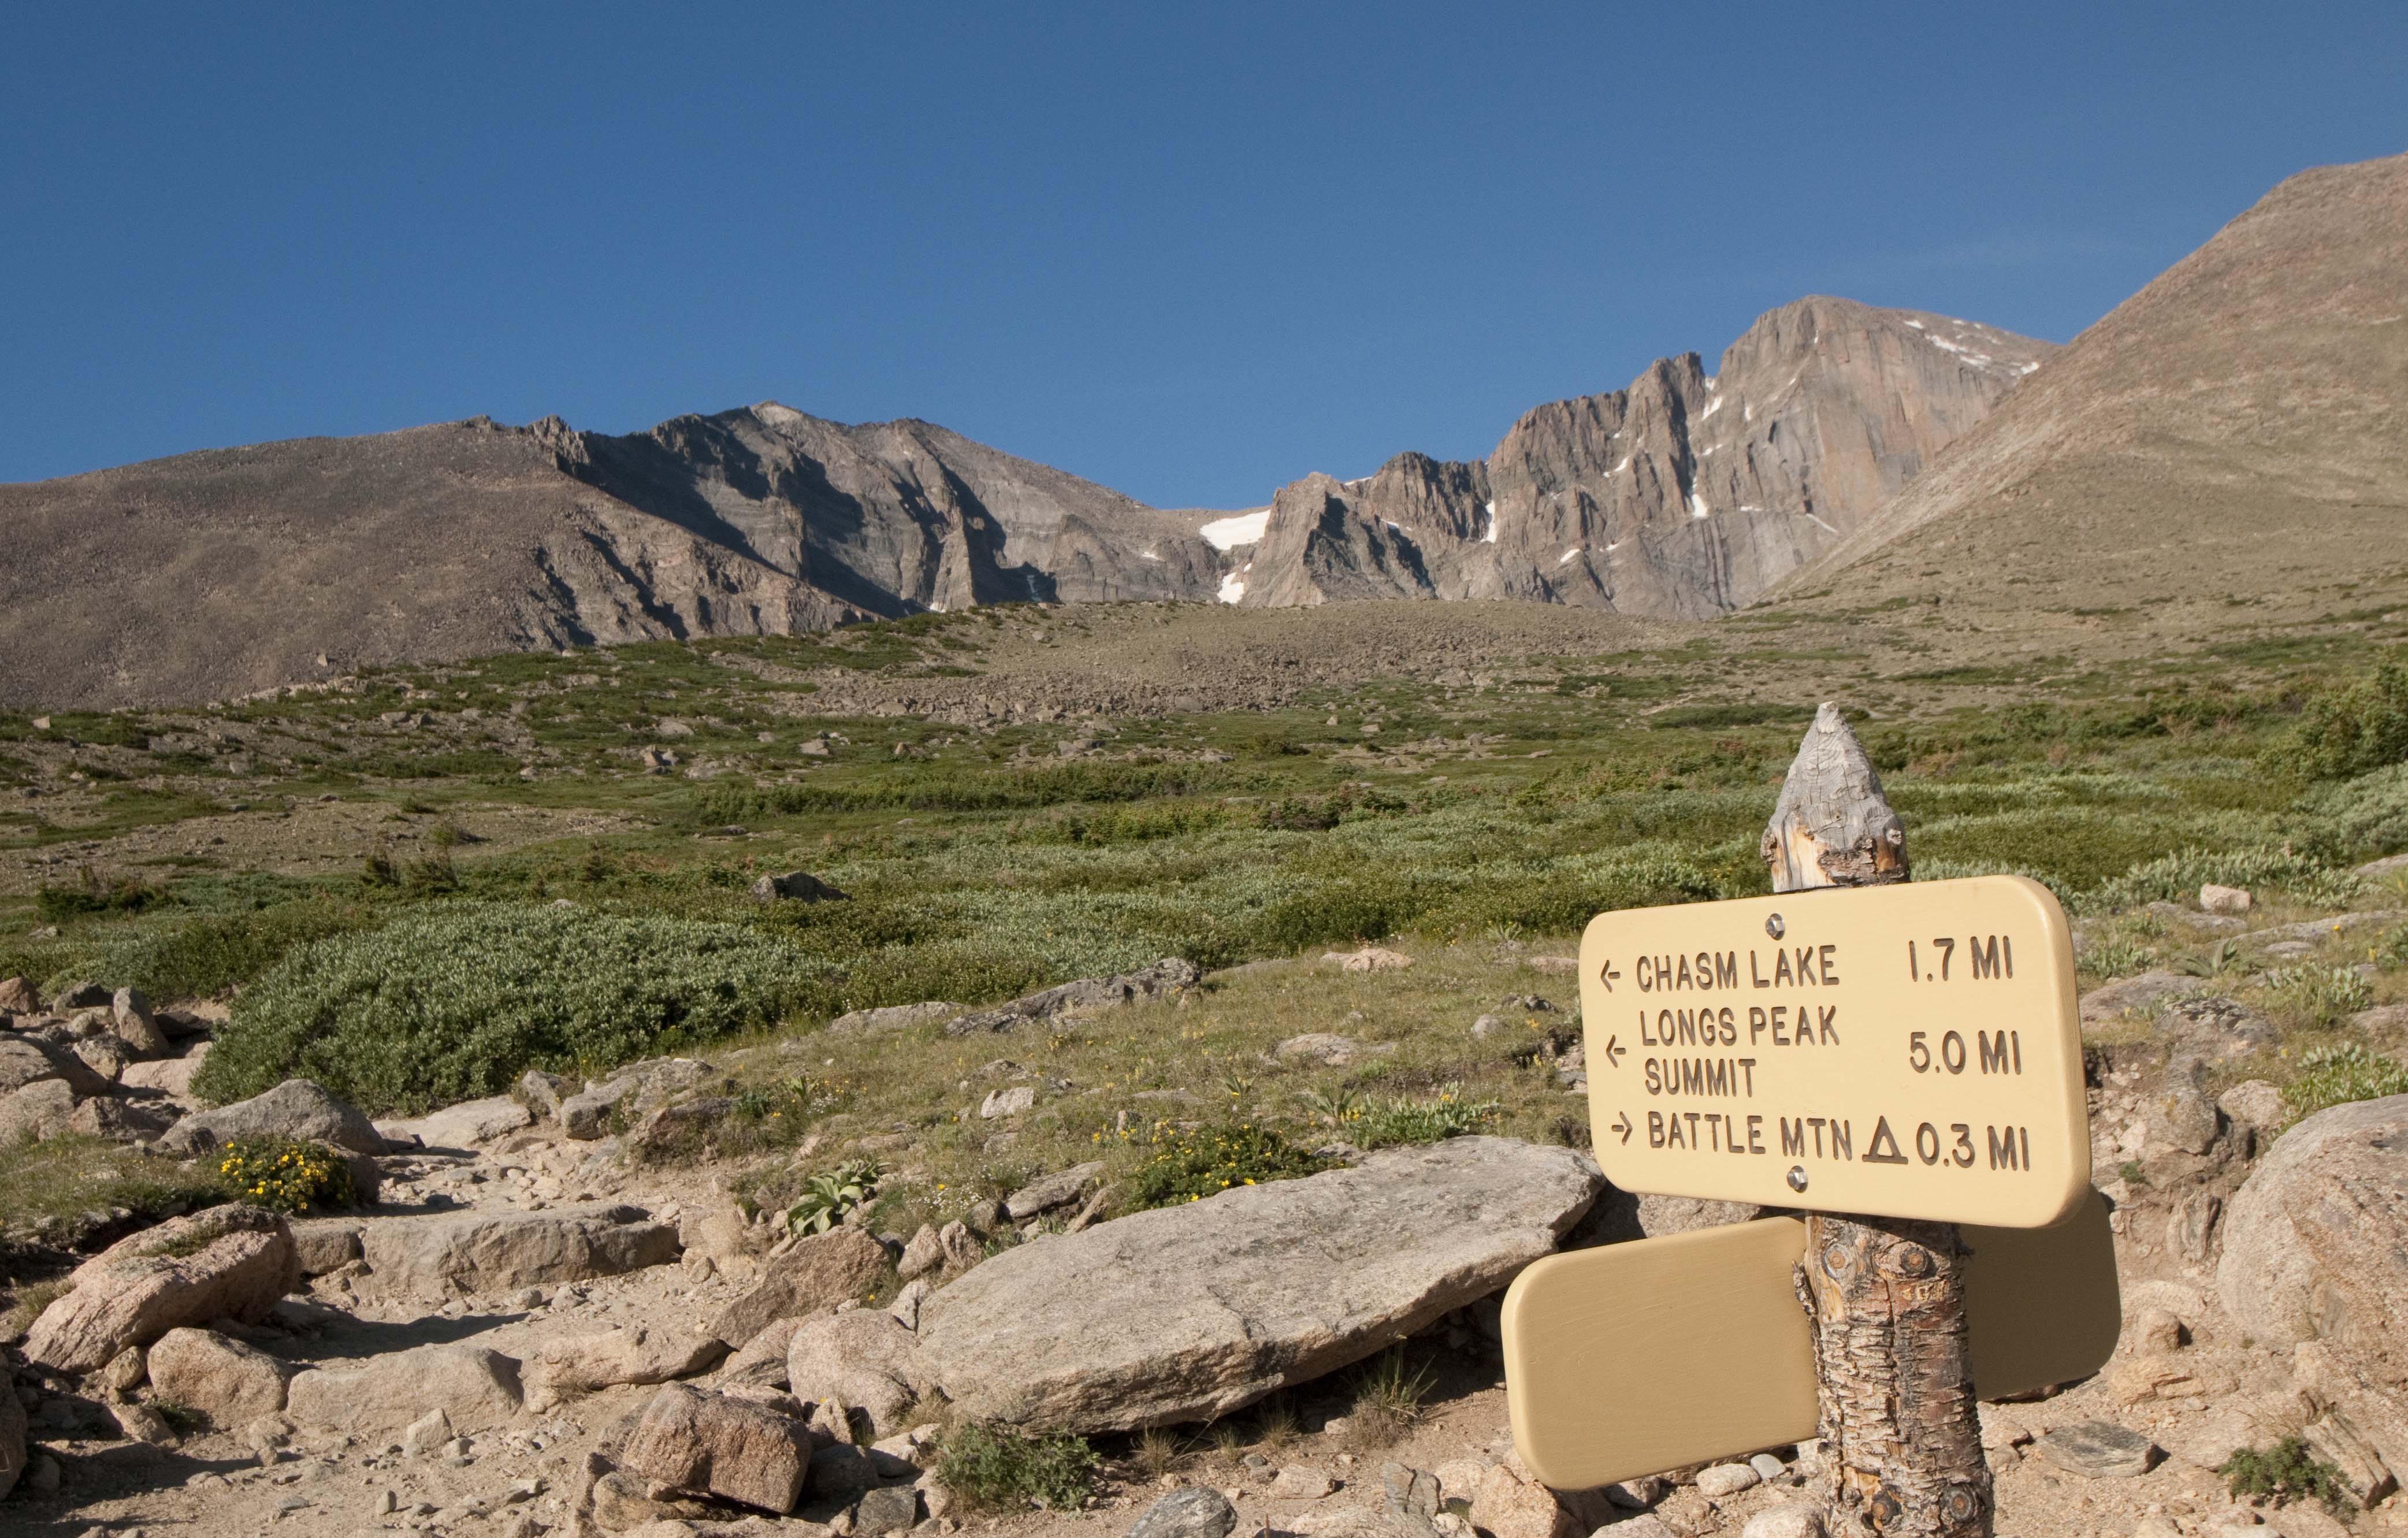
point(223, 572)
point(1686, 495)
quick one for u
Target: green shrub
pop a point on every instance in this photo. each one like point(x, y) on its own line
point(1445, 1115)
point(1190, 1166)
point(2350, 729)
point(2358, 819)
point(2317, 995)
point(91, 896)
point(456, 1002)
point(2338, 1076)
point(288, 1176)
point(2173, 878)
point(195, 957)
point(1000, 1468)
point(2288, 1471)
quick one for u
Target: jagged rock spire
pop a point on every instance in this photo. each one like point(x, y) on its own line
point(1833, 827)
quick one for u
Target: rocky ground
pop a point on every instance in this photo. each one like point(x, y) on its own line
point(542, 1324)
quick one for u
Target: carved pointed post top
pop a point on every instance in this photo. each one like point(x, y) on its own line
point(1833, 827)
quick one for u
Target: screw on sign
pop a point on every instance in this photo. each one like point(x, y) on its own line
point(1911, 1058)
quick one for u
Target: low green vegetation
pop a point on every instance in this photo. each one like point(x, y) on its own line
point(285, 1175)
point(2339, 1074)
point(1182, 1165)
point(2288, 1470)
point(828, 1199)
point(457, 1001)
point(2350, 729)
point(998, 1468)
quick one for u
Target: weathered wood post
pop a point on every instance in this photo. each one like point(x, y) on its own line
point(1902, 1435)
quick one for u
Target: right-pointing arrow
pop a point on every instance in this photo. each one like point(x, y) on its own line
point(1621, 1125)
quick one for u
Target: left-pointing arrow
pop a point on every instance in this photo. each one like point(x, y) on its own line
point(1606, 974)
point(1613, 1052)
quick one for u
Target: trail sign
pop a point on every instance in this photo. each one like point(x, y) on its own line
point(1631, 1358)
point(1904, 1050)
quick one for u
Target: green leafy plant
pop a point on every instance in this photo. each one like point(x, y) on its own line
point(1444, 1114)
point(1182, 1166)
point(2288, 1470)
point(999, 1468)
point(2337, 1075)
point(828, 1197)
point(2117, 956)
point(288, 1176)
point(2217, 959)
point(1337, 1107)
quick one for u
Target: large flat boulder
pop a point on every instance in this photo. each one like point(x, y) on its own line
point(566, 1366)
point(300, 1110)
point(496, 1252)
point(861, 1358)
point(228, 1262)
point(474, 1387)
point(467, 1125)
point(1166, 978)
point(1188, 1313)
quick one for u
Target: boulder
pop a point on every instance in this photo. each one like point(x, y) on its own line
point(2218, 1028)
point(2100, 1449)
point(2315, 1242)
point(1370, 958)
point(712, 1445)
point(1043, 1196)
point(118, 1119)
point(1201, 1512)
point(886, 1510)
point(104, 1055)
point(499, 1251)
point(1164, 979)
point(1009, 1102)
point(2142, 993)
point(475, 1388)
point(899, 1017)
point(40, 1110)
point(1508, 1507)
point(1722, 1480)
point(2256, 1102)
point(326, 1244)
point(132, 1019)
point(167, 1076)
point(226, 1380)
point(566, 1366)
point(924, 1254)
point(794, 886)
point(12, 1441)
point(541, 1093)
point(1188, 1313)
point(761, 1361)
point(1317, 1046)
point(468, 1125)
point(861, 1358)
point(682, 1131)
point(30, 1059)
point(586, 1114)
point(815, 1273)
point(228, 1262)
point(2223, 900)
point(297, 1108)
point(18, 996)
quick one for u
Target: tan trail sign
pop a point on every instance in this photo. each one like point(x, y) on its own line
point(1907, 1051)
point(1631, 1358)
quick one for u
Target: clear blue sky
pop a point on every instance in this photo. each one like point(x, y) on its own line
point(1192, 252)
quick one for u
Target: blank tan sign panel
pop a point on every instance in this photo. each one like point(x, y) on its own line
point(1909, 1051)
point(1632, 1359)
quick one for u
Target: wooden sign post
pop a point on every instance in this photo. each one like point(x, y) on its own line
point(1892, 1366)
point(1893, 1062)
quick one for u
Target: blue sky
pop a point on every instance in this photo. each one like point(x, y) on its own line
point(1192, 252)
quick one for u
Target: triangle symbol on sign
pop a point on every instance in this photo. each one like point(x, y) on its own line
point(1884, 1145)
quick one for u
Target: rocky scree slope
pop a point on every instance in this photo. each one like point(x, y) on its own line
point(2233, 429)
point(1685, 495)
